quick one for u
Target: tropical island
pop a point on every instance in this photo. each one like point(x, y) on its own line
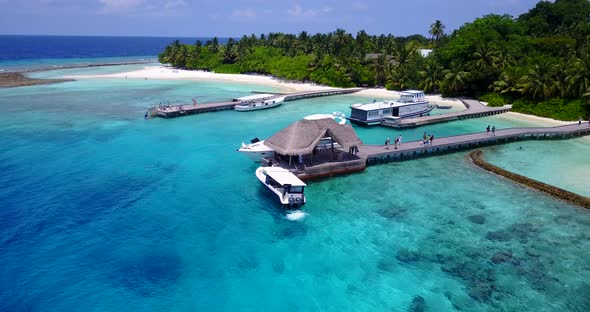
point(538, 62)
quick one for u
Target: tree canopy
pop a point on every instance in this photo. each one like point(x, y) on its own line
point(535, 61)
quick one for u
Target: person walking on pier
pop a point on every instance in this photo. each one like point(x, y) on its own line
point(494, 130)
point(400, 140)
point(488, 130)
point(387, 143)
point(395, 142)
point(431, 139)
point(580, 121)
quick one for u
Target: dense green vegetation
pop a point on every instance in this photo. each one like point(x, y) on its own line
point(538, 61)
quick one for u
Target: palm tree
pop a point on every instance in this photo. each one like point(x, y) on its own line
point(505, 60)
point(229, 53)
point(455, 79)
point(381, 69)
point(431, 76)
point(404, 53)
point(578, 76)
point(540, 81)
point(437, 30)
point(508, 82)
point(214, 45)
point(486, 57)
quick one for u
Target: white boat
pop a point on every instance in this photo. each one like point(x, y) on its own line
point(260, 104)
point(412, 103)
point(256, 150)
point(284, 184)
point(337, 116)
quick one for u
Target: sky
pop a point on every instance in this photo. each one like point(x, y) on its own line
point(234, 18)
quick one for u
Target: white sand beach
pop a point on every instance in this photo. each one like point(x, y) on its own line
point(169, 73)
point(545, 121)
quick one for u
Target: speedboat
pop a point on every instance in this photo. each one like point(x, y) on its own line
point(337, 116)
point(412, 103)
point(261, 104)
point(256, 150)
point(284, 184)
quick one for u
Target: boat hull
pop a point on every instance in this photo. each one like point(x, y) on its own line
point(256, 156)
point(245, 107)
point(257, 151)
point(284, 200)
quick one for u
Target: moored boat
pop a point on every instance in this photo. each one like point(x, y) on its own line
point(256, 150)
point(412, 103)
point(261, 104)
point(337, 116)
point(284, 184)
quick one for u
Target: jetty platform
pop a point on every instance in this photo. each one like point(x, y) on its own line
point(413, 149)
point(192, 109)
point(354, 156)
point(474, 109)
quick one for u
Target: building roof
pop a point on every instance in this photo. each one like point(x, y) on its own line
point(283, 176)
point(301, 137)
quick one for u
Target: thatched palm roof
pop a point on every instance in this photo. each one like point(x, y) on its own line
point(302, 136)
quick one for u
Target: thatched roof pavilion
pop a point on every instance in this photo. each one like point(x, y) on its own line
point(301, 137)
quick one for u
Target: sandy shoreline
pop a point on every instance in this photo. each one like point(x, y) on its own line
point(12, 80)
point(169, 73)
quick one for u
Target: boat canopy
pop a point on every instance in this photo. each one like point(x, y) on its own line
point(283, 176)
point(254, 97)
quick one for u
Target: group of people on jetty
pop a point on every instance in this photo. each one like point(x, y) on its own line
point(427, 139)
point(397, 141)
point(493, 130)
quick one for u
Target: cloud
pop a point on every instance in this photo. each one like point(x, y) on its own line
point(120, 6)
point(173, 4)
point(360, 6)
point(142, 7)
point(298, 11)
point(244, 14)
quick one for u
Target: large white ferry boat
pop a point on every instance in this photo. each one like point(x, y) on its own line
point(412, 103)
point(260, 104)
point(284, 184)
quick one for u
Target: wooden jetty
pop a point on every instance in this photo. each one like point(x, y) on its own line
point(354, 156)
point(192, 109)
point(474, 109)
point(409, 150)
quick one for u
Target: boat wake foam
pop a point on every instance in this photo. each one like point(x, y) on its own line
point(296, 215)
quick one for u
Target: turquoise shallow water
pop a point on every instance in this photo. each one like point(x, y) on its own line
point(561, 163)
point(104, 211)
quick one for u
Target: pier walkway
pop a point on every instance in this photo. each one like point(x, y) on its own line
point(191, 109)
point(413, 149)
point(474, 109)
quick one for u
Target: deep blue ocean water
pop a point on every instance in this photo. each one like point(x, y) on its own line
point(18, 52)
point(18, 47)
point(101, 210)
